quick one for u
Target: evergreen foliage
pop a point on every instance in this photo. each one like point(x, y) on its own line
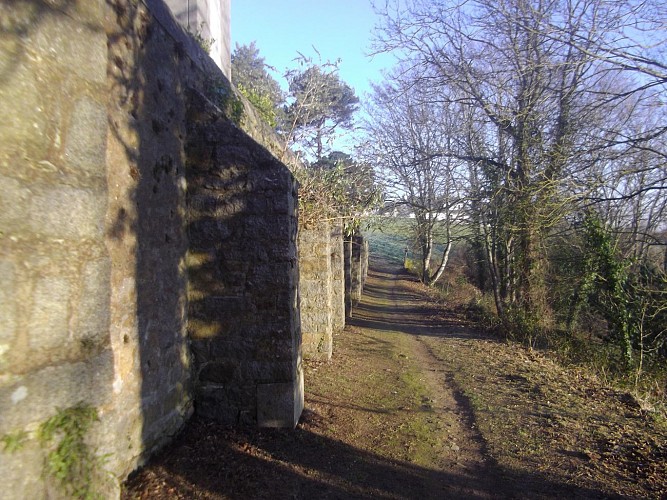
point(250, 75)
point(321, 103)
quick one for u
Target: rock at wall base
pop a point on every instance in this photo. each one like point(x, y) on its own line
point(280, 404)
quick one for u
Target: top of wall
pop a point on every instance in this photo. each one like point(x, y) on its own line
point(233, 104)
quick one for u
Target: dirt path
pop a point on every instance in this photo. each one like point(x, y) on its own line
point(415, 404)
point(392, 309)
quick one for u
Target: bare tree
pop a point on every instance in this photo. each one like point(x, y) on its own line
point(550, 92)
point(408, 140)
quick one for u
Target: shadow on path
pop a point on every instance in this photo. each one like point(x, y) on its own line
point(315, 461)
point(390, 304)
point(219, 462)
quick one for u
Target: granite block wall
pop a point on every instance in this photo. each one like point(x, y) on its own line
point(363, 258)
point(56, 343)
point(359, 263)
point(322, 287)
point(356, 269)
point(316, 290)
point(242, 264)
point(338, 278)
point(102, 291)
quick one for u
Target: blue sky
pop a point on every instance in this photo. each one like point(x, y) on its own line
point(336, 28)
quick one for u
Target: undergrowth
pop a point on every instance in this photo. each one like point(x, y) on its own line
point(647, 383)
point(204, 42)
point(70, 461)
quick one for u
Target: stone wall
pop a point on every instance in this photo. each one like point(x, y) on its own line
point(338, 278)
point(356, 269)
point(146, 230)
point(56, 270)
point(321, 287)
point(363, 257)
point(243, 311)
point(102, 256)
point(316, 290)
point(359, 270)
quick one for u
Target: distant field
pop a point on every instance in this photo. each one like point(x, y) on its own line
point(389, 237)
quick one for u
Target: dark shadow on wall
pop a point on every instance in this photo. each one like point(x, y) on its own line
point(219, 265)
point(243, 324)
point(148, 228)
point(212, 221)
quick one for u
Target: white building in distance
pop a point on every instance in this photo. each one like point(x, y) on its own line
point(210, 19)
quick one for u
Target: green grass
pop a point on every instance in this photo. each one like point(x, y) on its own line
point(388, 237)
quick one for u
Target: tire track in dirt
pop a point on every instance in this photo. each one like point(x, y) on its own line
point(390, 305)
point(518, 456)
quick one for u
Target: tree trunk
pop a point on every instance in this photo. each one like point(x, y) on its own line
point(427, 250)
point(445, 255)
point(443, 262)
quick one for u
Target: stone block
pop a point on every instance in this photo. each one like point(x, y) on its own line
point(282, 251)
point(119, 436)
point(13, 203)
point(314, 319)
point(37, 396)
point(219, 372)
point(8, 287)
point(266, 370)
point(283, 204)
point(280, 404)
point(94, 306)
point(67, 212)
point(308, 266)
point(48, 327)
point(70, 43)
point(20, 99)
point(21, 472)
point(310, 289)
point(85, 147)
point(214, 402)
point(272, 346)
point(90, 11)
point(318, 352)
